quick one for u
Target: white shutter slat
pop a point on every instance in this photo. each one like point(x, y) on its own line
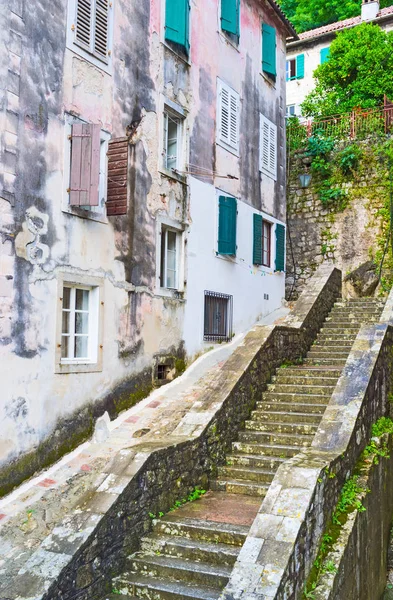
point(225, 115)
point(83, 21)
point(234, 122)
point(272, 150)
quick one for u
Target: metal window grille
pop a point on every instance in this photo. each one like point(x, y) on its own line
point(218, 317)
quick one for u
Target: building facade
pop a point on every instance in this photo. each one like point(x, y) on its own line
point(311, 49)
point(142, 202)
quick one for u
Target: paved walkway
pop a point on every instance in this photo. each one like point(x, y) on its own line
point(34, 507)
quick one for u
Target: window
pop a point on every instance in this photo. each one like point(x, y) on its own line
point(290, 110)
point(295, 67)
point(218, 317)
point(170, 258)
point(269, 43)
point(230, 17)
point(266, 243)
point(91, 29)
point(227, 217)
point(79, 324)
point(261, 241)
point(177, 17)
point(86, 165)
point(228, 103)
point(268, 147)
point(280, 247)
point(324, 54)
point(173, 130)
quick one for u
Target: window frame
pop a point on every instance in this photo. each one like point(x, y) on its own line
point(79, 48)
point(165, 230)
point(166, 223)
point(288, 69)
point(268, 251)
point(178, 112)
point(183, 56)
point(93, 362)
point(234, 149)
point(232, 38)
point(95, 213)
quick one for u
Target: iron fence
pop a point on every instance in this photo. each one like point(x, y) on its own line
point(218, 322)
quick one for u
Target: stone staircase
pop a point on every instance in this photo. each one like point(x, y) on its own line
point(190, 552)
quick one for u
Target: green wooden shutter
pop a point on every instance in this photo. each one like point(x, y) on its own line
point(300, 66)
point(324, 55)
point(280, 247)
point(177, 14)
point(257, 240)
point(227, 212)
point(230, 16)
point(269, 49)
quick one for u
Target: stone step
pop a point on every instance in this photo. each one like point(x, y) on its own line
point(118, 596)
point(252, 460)
point(281, 427)
point(267, 450)
point(161, 589)
point(326, 361)
point(273, 398)
point(327, 353)
point(242, 487)
point(189, 549)
point(270, 437)
point(286, 388)
point(334, 335)
point(160, 567)
point(255, 474)
point(354, 311)
point(343, 327)
point(316, 380)
point(198, 529)
point(326, 343)
point(304, 370)
point(278, 416)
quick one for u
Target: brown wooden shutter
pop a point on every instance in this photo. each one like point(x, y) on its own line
point(116, 203)
point(85, 164)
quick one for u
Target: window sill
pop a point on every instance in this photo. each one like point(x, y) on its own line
point(79, 51)
point(173, 175)
point(227, 257)
point(85, 214)
point(169, 293)
point(269, 175)
point(233, 151)
point(229, 41)
point(271, 82)
point(179, 56)
point(75, 367)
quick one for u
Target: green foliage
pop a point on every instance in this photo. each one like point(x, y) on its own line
point(309, 14)
point(196, 494)
point(357, 74)
point(319, 145)
point(296, 134)
point(348, 159)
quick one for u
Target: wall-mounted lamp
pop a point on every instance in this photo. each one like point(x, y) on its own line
point(304, 180)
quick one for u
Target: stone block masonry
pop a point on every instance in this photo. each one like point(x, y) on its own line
point(107, 513)
point(284, 539)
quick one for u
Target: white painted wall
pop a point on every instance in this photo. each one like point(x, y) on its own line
point(237, 276)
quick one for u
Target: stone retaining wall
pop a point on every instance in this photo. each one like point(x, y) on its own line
point(360, 553)
point(284, 539)
point(82, 553)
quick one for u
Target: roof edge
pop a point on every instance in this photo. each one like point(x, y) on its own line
point(290, 28)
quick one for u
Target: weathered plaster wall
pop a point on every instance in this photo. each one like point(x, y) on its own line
point(42, 412)
point(319, 233)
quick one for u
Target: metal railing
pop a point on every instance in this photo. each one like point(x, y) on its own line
point(218, 321)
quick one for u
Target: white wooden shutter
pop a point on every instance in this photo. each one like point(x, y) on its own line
point(85, 164)
point(268, 147)
point(101, 28)
point(228, 116)
point(84, 10)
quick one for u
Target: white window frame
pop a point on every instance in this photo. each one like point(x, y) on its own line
point(269, 166)
point(233, 97)
point(173, 109)
point(96, 213)
point(93, 362)
point(72, 43)
point(288, 69)
point(167, 224)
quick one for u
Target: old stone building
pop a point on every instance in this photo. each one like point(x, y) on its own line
point(142, 201)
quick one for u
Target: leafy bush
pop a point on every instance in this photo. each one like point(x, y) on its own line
point(348, 159)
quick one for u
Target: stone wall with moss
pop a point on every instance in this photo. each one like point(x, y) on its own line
point(343, 216)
